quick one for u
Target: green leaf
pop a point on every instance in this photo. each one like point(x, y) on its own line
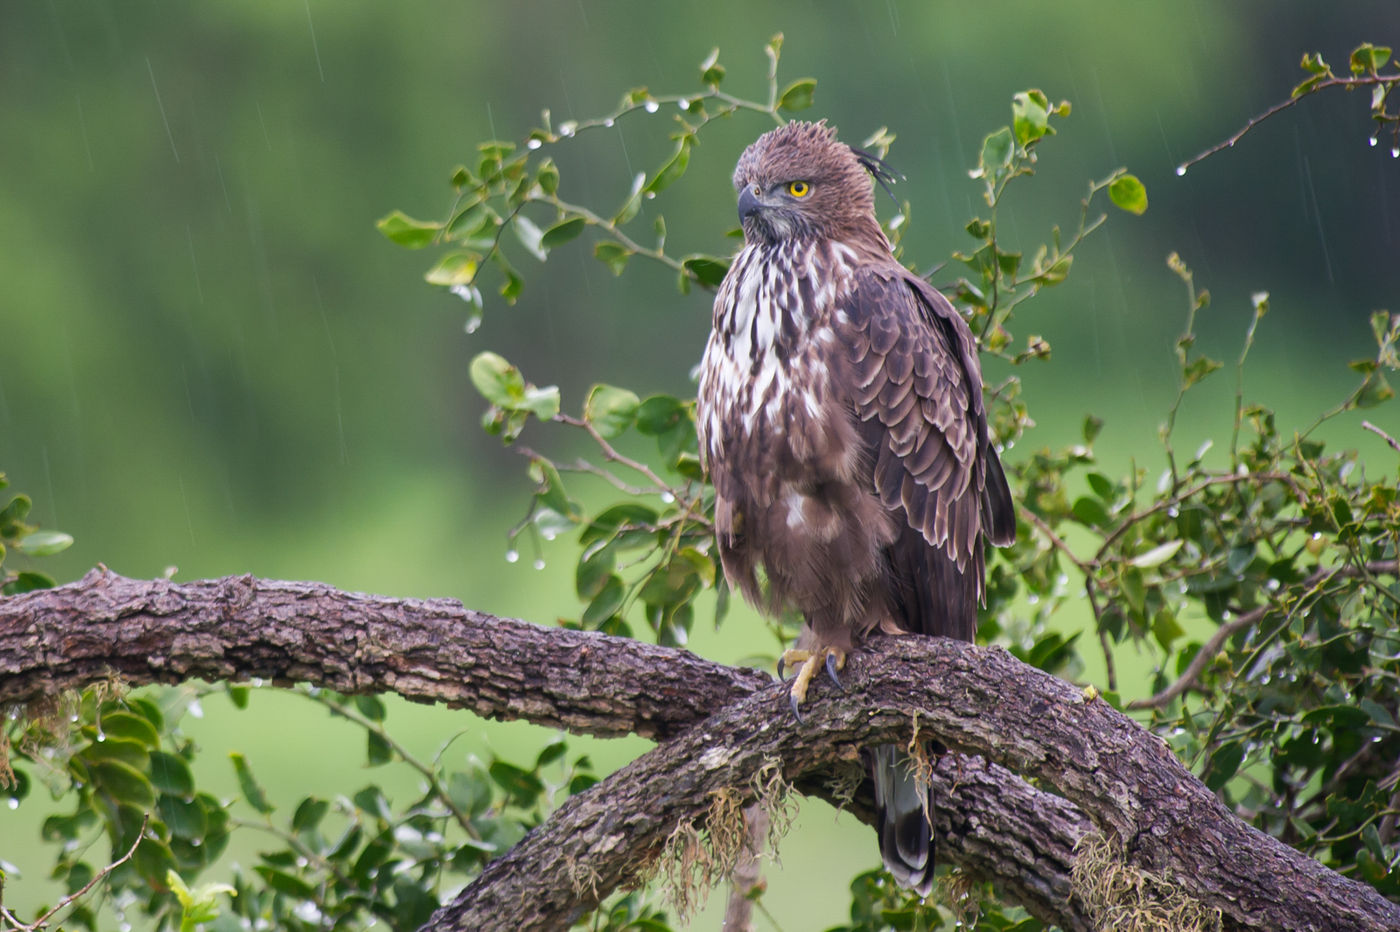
point(286, 883)
point(377, 749)
point(529, 236)
point(1197, 369)
point(407, 232)
point(309, 814)
point(132, 727)
point(1157, 555)
point(371, 707)
point(1101, 486)
point(674, 167)
point(562, 232)
point(996, 153)
point(1224, 763)
point(1368, 58)
point(551, 753)
point(547, 176)
point(659, 414)
point(1312, 61)
point(521, 786)
point(607, 524)
point(1089, 512)
point(1030, 112)
point(1374, 391)
point(798, 95)
point(711, 71)
point(123, 782)
point(1308, 86)
point(44, 543)
point(543, 403)
point(633, 203)
point(171, 774)
point(611, 410)
point(613, 255)
point(605, 604)
point(249, 785)
point(1128, 193)
point(184, 819)
point(708, 270)
point(455, 268)
point(498, 381)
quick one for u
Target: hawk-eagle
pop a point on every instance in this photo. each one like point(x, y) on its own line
point(841, 422)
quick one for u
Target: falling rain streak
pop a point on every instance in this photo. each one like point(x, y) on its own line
point(164, 119)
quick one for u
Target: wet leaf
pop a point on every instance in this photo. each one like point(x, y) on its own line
point(407, 232)
point(611, 410)
point(798, 95)
point(1128, 193)
point(562, 232)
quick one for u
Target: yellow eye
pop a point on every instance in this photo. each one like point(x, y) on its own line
point(799, 188)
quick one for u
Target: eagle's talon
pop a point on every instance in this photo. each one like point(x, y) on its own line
point(832, 665)
point(792, 699)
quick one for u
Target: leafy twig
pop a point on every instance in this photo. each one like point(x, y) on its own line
point(71, 898)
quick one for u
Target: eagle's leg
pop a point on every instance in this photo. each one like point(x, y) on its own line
point(810, 661)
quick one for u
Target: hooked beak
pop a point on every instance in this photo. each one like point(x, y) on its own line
point(749, 204)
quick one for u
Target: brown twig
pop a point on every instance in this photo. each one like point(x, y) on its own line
point(1213, 646)
point(1394, 444)
point(1364, 81)
point(73, 897)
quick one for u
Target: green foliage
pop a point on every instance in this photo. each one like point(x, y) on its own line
point(25, 540)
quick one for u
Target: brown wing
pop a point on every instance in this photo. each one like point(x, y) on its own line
point(916, 387)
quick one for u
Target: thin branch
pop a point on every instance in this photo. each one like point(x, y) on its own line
point(1394, 444)
point(1228, 142)
point(1217, 641)
point(73, 897)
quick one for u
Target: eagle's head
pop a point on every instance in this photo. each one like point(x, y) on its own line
point(800, 181)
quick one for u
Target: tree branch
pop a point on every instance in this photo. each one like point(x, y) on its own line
point(982, 701)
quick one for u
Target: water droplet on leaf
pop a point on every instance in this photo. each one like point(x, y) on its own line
point(512, 556)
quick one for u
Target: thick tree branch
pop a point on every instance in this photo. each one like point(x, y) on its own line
point(982, 701)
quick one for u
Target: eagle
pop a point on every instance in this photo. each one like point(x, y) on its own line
point(841, 422)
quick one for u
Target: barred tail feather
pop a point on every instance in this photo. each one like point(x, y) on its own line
point(904, 812)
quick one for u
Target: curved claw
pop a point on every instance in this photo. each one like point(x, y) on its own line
point(792, 699)
point(781, 662)
point(831, 671)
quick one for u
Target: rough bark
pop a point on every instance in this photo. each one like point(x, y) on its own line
point(719, 728)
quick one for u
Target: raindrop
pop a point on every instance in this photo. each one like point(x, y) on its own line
point(1180, 170)
point(512, 556)
point(13, 803)
point(650, 195)
point(473, 324)
point(539, 563)
point(1395, 152)
point(683, 104)
point(196, 710)
point(548, 534)
point(1373, 140)
point(533, 144)
point(651, 106)
point(667, 497)
point(567, 129)
point(101, 736)
point(608, 122)
point(1173, 512)
point(196, 842)
point(72, 718)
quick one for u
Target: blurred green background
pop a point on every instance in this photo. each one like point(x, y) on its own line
point(210, 359)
